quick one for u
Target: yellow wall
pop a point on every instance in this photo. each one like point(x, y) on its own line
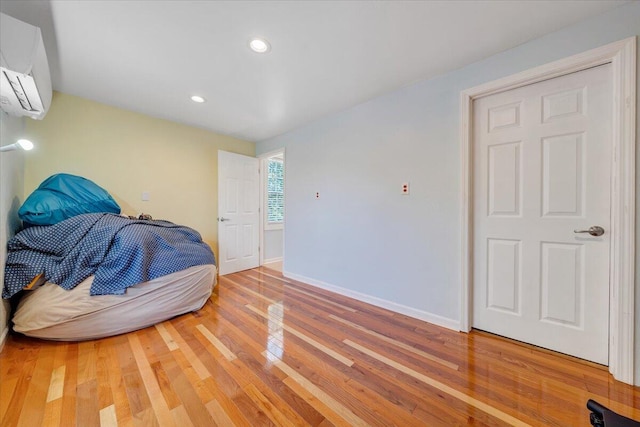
point(11, 197)
point(127, 153)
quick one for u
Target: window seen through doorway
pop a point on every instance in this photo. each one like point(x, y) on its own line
point(275, 191)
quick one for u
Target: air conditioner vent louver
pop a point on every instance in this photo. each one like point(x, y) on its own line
point(25, 92)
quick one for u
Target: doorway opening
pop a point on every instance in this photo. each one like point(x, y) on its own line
point(272, 202)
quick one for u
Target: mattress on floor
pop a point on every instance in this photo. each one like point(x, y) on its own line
point(53, 313)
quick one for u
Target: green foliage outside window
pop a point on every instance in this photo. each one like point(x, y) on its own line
point(275, 191)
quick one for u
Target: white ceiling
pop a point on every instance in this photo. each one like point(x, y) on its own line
point(151, 56)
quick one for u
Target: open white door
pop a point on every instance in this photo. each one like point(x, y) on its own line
point(238, 215)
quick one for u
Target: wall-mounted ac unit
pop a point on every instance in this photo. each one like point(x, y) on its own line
point(25, 82)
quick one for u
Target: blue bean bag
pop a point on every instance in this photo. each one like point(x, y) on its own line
point(63, 196)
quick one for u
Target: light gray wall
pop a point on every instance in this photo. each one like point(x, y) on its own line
point(11, 196)
point(362, 234)
point(273, 242)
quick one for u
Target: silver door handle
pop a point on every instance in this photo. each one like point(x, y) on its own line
point(595, 230)
point(221, 219)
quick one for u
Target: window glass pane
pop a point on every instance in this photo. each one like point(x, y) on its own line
point(275, 191)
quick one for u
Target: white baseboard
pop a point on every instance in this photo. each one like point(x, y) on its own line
point(272, 260)
point(379, 302)
point(3, 337)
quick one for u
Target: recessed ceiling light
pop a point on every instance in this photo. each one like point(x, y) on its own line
point(196, 98)
point(259, 45)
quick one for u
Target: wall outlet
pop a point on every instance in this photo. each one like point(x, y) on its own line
point(405, 188)
point(146, 196)
point(317, 195)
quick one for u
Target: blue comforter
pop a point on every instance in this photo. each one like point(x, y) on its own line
point(120, 252)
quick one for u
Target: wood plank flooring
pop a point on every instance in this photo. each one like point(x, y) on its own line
point(270, 351)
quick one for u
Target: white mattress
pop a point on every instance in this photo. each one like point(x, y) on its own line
point(53, 313)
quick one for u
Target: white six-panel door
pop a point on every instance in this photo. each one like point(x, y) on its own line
point(238, 215)
point(542, 163)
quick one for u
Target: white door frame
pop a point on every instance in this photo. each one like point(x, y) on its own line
point(622, 56)
point(263, 194)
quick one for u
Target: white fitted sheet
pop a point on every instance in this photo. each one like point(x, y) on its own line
point(53, 313)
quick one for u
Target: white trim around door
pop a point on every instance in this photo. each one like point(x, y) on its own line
point(622, 56)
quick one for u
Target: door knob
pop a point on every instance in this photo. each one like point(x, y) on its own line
point(221, 219)
point(594, 230)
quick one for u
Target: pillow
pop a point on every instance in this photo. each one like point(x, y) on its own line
point(63, 196)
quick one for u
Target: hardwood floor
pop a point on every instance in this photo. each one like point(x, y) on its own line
point(275, 265)
point(266, 350)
